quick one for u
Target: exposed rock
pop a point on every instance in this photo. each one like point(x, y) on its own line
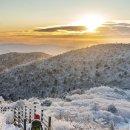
point(112, 109)
point(46, 103)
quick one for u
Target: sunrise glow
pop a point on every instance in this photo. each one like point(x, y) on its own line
point(70, 24)
point(92, 22)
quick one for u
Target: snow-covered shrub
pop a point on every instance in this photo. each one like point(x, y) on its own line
point(10, 127)
point(95, 107)
point(121, 92)
point(62, 125)
point(59, 114)
point(19, 104)
point(34, 100)
point(1, 99)
point(9, 117)
point(77, 91)
point(68, 99)
point(107, 117)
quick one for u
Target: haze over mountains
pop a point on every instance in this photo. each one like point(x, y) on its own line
point(80, 69)
point(51, 49)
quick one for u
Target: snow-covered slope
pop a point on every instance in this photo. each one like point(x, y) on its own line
point(10, 60)
point(80, 69)
point(99, 108)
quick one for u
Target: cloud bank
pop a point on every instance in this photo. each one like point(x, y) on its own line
point(71, 36)
point(109, 29)
point(61, 28)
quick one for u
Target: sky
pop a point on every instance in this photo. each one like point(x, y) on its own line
point(55, 22)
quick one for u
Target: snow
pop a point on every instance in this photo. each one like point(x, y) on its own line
point(83, 69)
point(66, 77)
point(1, 121)
point(63, 125)
point(9, 127)
point(82, 111)
point(4, 122)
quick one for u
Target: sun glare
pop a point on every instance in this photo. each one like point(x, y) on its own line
point(91, 22)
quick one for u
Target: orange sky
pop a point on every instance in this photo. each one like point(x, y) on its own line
point(20, 20)
point(72, 36)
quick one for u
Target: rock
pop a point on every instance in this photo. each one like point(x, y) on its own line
point(46, 103)
point(35, 103)
point(112, 109)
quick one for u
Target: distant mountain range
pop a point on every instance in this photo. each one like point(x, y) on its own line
point(24, 48)
point(80, 69)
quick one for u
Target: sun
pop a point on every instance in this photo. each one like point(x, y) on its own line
point(92, 22)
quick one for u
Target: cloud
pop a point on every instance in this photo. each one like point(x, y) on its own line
point(71, 35)
point(62, 28)
point(115, 29)
point(111, 29)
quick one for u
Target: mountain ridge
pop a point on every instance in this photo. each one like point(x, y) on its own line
point(12, 59)
point(79, 69)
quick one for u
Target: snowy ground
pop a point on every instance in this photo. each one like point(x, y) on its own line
point(1, 121)
point(96, 109)
point(4, 126)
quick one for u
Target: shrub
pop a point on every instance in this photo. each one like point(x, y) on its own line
point(20, 104)
point(46, 103)
point(112, 108)
point(9, 117)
